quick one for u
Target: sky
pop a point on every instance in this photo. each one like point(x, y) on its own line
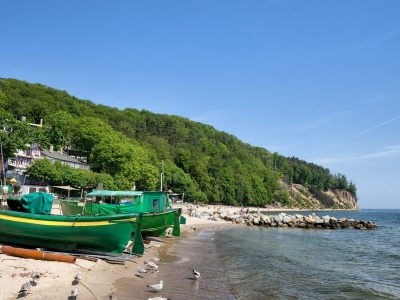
point(317, 80)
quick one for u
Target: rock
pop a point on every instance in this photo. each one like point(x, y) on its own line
point(297, 220)
point(308, 220)
point(223, 214)
point(318, 221)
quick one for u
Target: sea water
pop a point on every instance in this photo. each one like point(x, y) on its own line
point(251, 262)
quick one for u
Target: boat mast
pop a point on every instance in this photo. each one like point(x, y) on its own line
point(3, 171)
point(162, 175)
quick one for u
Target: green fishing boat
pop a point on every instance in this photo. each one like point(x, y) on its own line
point(29, 222)
point(155, 206)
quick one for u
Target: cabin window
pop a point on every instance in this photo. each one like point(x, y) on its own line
point(155, 202)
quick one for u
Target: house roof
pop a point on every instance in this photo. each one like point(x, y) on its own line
point(59, 156)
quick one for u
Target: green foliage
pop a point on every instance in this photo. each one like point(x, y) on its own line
point(58, 174)
point(14, 134)
point(125, 149)
point(46, 170)
point(60, 132)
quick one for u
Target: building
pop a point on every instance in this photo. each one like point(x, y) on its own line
point(24, 158)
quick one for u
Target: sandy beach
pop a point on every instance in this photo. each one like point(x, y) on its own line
point(100, 278)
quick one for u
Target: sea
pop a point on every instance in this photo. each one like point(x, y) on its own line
point(252, 262)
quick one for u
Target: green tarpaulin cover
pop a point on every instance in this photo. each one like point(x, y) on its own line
point(37, 203)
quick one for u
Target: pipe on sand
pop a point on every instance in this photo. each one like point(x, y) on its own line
point(36, 254)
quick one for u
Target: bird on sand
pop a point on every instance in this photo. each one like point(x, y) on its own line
point(196, 274)
point(141, 271)
point(152, 265)
point(156, 287)
point(25, 288)
point(78, 276)
point(35, 275)
point(158, 298)
point(75, 292)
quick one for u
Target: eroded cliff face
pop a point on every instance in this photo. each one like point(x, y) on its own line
point(343, 198)
point(301, 198)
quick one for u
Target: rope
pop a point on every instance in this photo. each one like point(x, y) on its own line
point(88, 290)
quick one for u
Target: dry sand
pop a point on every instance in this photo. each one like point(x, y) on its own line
point(100, 278)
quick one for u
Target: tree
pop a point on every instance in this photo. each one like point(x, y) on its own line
point(15, 135)
point(60, 131)
point(44, 169)
point(89, 132)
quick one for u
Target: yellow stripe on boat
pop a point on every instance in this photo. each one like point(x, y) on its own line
point(63, 223)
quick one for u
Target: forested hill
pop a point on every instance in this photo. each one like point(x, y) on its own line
point(129, 147)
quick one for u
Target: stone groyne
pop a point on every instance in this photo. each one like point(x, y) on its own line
point(297, 221)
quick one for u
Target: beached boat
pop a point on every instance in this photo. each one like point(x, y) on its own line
point(29, 222)
point(155, 206)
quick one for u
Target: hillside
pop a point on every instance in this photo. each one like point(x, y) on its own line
point(130, 147)
point(301, 198)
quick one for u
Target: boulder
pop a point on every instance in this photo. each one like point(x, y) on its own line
point(308, 220)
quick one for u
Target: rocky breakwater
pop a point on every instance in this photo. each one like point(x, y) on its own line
point(296, 221)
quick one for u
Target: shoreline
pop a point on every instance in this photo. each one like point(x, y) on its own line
point(101, 278)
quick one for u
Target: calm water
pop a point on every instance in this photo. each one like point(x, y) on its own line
point(245, 262)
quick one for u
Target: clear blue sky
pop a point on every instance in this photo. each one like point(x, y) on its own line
point(318, 80)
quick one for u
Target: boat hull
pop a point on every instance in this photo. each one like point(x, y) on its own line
point(98, 233)
point(153, 223)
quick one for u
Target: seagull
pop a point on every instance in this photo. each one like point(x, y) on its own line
point(78, 276)
point(141, 270)
point(157, 287)
point(25, 288)
point(158, 298)
point(152, 265)
point(35, 275)
point(196, 274)
point(75, 292)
